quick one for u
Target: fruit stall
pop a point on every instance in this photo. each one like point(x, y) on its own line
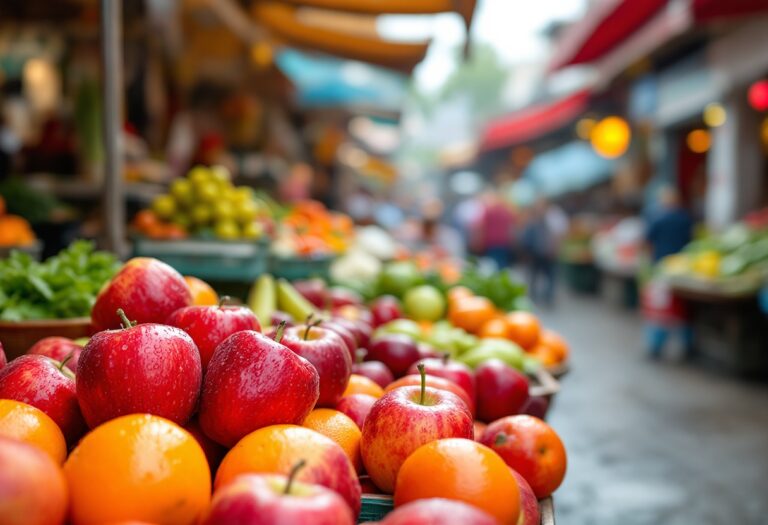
point(312, 400)
point(720, 277)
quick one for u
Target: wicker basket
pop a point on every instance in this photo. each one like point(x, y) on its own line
point(18, 336)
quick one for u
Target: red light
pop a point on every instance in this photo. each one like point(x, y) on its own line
point(758, 95)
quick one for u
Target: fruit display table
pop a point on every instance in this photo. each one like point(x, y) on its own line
point(619, 284)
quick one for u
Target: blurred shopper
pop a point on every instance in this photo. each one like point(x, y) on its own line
point(669, 230)
point(542, 235)
point(494, 230)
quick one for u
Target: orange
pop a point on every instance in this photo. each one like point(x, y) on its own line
point(145, 220)
point(138, 467)
point(15, 231)
point(340, 428)
point(557, 345)
point(496, 327)
point(202, 292)
point(26, 423)
point(456, 293)
point(470, 313)
point(464, 470)
point(545, 354)
point(362, 385)
point(276, 449)
point(524, 328)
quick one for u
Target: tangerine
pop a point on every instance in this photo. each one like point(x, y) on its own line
point(138, 467)
point(339, 427)
point(362, 385)
point(202, 292)
point(496, 327)
point(470, 313)
point(524, 328)
point(26, 423)
point(556, 344)
point(464, 470)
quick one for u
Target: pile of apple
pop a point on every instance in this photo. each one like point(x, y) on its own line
point(224, 375)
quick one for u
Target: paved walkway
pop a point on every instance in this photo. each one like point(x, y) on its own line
point(653, 443)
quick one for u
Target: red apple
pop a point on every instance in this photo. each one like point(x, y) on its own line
point(404, 419)
point(434, 382)
point(210, 325)
point(149, 368)
point(360, 330)
point(529, 505)
point(454, 371)
point(438, 511)
point(58, 349)
point(532, 448)
point(357, 407)
point(252, 382)
point(354, 313)
point(278, 316)
point(47, 385)
point(146, 289)
point(500, 390)
point(385, 309)
point(376, 371)
point(313, 290)
point(536, 406)
point(3, 359)
point(33, 490)
point(397, 351)
point(427, 351)
point(214, 452)
point(338, 297)
point(328, 353)
point(479, 429)
point(272, 499)
point(349, 339)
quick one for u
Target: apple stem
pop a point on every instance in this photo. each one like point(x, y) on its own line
point(500, 439)
point(280, 330)
point(423, 375)
point(309, 318)
point(360, 354)
point(310, 326)
point(66, 360)
point(124, 322)
point(224, 299)
point(292, 475)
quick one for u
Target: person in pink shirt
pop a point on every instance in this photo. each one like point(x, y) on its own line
point(494, 230)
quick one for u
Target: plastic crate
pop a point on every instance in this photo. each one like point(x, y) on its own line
point(295, 268)
point(214, 260)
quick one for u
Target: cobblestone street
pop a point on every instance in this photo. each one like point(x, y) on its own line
point(653, 443)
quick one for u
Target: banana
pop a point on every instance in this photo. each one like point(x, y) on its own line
point(289, 300)
point(262, 298)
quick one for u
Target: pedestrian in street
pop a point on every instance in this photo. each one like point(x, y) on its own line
point(541, 240)
point(494, 230)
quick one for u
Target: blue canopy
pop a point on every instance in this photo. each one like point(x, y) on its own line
point(572, 167)
point(324, 81)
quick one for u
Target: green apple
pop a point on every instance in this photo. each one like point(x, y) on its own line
point(424, 303)
point(493, 348)
point(400, 326)
point(398, 277)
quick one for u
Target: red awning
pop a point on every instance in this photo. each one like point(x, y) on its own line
point(534, 121)
point(706, 10)
point(604, 27)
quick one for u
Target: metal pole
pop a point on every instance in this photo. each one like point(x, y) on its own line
point(112, 65)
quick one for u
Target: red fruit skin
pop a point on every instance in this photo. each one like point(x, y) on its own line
point(354, 313)
point(360, 330)
point(313, 290)
point(58, 349)
point(257, 500)
point(397, 425)
point(357, 407)
point(327, 352)
point(214, 452)
point(536, 406)
point(438, 511)
point(397, 351)
point(146, 289)
point(210, 325)
point(427, 351)
point(454, 371)
point(338, 297)
point(149, 368)
point(279, 316)
point(501, 390)
point(376, 371)
point(385, 309)
point(529, 505)
point(479, 429)
point(350, 342)
point(435, 382)
point(253, 382)
point(3, 359)
point(37, 381)
point(32, 487)
point(531, 448)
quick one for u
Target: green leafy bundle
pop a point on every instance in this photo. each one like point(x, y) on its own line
point(62, 287)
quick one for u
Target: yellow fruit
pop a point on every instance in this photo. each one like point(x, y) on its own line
point(164, 206)
point(226, 230)
point(707, 264)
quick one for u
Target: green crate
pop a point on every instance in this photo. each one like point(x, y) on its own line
point(375, 507)
point(214, 260)
point(296, 268)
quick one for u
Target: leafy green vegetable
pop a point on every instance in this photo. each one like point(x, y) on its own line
point(500, 287)
point(62, 287)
